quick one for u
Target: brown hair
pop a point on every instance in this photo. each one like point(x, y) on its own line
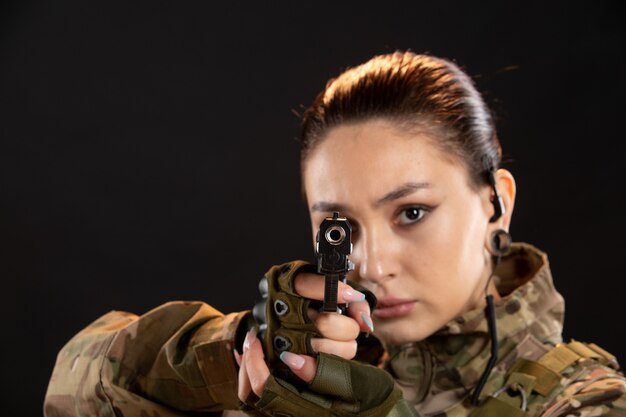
point(412, 91)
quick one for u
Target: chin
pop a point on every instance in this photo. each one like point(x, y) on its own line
point(400, 332)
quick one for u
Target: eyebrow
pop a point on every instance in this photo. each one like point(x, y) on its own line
point(402, 191)
point(326, 206)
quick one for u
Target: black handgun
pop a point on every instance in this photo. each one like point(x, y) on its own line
point(334, 245)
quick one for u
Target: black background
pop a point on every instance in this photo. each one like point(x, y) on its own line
point(148, 150)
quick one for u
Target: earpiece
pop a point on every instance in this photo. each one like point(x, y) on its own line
point(501, 242)
point(498, 207)
point(498, 204)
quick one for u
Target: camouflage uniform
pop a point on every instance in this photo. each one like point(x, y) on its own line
point(177, 360)
point(438, 374)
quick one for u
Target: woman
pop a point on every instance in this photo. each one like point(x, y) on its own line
point(406, 149)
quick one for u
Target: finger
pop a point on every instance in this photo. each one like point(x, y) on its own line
point(257, 370)
point(243, 387)
point(337, 327)
point(237, 357)
point(362, 314)
point(311, 286)
point(346, 350)
point(303, 366)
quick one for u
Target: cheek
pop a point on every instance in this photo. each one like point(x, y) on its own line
point(452, 252)
point(314, 230)
point(466, 260)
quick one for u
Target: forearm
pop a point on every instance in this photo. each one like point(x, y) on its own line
point(175, 357)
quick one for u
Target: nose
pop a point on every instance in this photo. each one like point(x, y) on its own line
point(374, 256)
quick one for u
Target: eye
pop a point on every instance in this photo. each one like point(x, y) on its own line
point(411, 215)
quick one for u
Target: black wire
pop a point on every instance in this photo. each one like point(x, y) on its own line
point(490, 312)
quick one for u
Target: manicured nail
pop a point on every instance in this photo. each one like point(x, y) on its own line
point(250, 337)
point(350, 294)
point(366, 319)
point(292, 360)
point(237, 357)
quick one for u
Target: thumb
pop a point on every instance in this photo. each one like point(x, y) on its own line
point(303, 366)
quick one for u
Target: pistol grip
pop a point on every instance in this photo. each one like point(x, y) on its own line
point(331, 290)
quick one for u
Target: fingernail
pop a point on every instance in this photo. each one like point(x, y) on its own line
point(292, 360)
point(366, 319)
point(237, 357)
point(350, 294)
point(250, 337)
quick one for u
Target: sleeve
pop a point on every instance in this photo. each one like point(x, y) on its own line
point(175, 360)
point(605, 397)
point(598, 396)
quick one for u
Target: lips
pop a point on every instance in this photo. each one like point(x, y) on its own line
point(393, 307)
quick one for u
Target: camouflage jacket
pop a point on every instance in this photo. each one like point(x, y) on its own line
point(438, 374)
point(177, 360)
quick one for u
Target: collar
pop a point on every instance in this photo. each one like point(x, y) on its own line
point(441, 370)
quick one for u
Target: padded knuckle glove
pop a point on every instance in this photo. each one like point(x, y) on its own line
point(284, 323)
point(341, 388)
point(282, 315)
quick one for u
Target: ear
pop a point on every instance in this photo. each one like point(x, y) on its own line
point(505, 184)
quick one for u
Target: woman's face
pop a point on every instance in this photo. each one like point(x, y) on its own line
point(419, 229)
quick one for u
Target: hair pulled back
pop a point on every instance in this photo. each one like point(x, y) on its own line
point(412, 91)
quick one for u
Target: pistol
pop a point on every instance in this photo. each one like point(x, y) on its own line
point(333, 246)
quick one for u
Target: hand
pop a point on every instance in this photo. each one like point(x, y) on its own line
point(339, 331)
point(253, 371)
point(339, 336)
point(336, 389)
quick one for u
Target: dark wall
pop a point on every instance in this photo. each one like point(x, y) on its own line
point(148, 150)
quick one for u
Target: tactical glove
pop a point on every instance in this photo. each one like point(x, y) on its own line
point(282, 316)
point(341, 388)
